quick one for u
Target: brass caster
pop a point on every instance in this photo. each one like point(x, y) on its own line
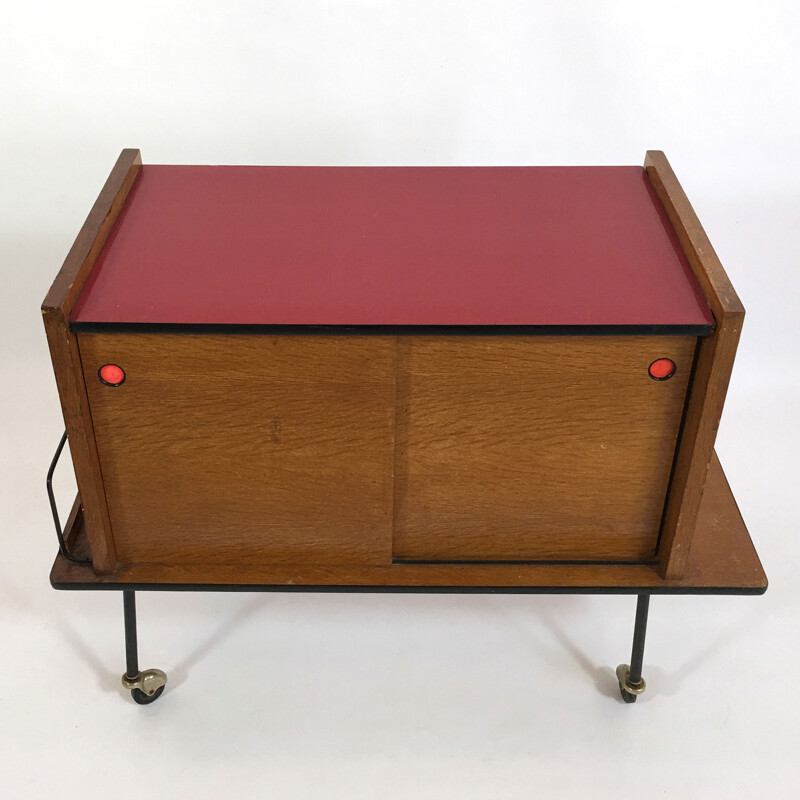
point(629, 691)
point(147, 686)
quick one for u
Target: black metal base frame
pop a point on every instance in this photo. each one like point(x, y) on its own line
point(148, 686)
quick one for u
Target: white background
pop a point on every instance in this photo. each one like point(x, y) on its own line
point(366, 696)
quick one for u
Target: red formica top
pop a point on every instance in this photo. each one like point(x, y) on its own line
point(365, 246)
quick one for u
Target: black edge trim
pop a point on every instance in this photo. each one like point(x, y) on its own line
point(339, 589)
point(394, 330)
point(524, 563)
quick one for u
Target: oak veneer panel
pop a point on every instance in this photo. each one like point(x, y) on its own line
point(714, 365)
point(723, 560)
point(534, 448)
point(241, 450)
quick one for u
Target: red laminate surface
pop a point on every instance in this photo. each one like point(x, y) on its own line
point(558, 246)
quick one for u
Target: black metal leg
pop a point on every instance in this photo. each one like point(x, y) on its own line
point(131, 644)
point(631, 682)
point(639, 631)
point(146, 686)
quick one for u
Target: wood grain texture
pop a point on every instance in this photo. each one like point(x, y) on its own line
point(712, 370)
point(534, 448)
point(56, 310)
point(246, 449)
point(723, 560)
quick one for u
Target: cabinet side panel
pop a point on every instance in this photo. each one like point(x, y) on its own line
point(64, 351)
point(246, 449)
point(534, 448)
point(712, 373)
point(65, 355)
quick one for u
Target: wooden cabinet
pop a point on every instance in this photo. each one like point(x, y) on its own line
point(393, 376)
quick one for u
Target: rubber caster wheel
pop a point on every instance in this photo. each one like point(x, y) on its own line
point(145, 699)
point(153, 680)
point(627, 696)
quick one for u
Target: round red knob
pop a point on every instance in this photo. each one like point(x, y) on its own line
point(111, 374)
point(662, 368)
